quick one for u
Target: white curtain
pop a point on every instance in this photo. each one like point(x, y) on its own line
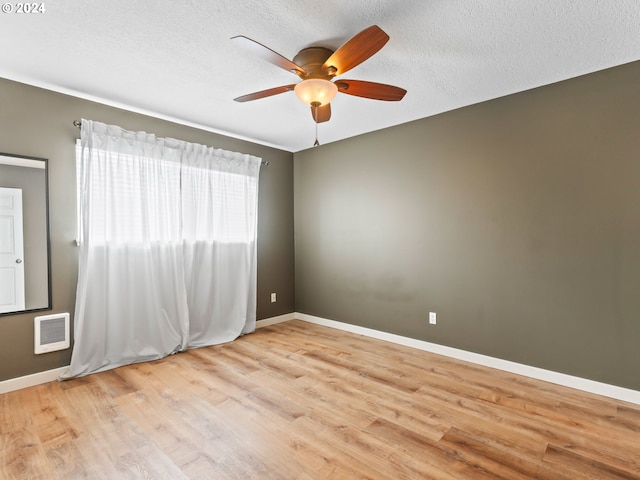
point(167, 247)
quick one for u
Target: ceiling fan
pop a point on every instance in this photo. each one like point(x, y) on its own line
point(318, 67)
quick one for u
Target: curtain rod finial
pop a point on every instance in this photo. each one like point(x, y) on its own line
point(77, 123)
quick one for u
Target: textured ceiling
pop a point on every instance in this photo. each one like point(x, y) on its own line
point(173, 59)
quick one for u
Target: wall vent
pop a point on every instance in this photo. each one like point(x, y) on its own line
point(51, 332)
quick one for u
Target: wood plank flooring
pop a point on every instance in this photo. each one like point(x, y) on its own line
point(300, 401)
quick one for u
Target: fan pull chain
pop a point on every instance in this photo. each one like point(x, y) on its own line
point(315, 117)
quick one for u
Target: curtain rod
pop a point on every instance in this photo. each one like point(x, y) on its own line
point(78, 124)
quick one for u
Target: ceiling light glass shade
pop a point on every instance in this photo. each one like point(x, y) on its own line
point(316, 90)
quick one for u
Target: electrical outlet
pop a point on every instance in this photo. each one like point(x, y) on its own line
point(273, 298)
point(432, 318)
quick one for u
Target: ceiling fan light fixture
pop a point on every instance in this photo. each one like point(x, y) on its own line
point(316, 91)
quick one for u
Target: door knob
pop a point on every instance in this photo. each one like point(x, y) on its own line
point(18, 260)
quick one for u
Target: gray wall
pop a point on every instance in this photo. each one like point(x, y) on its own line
point(37, 122)
point(516, 220)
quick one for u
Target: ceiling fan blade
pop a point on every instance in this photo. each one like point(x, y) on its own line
point(357, 50)
point(375, 91)
point(265, 93)
point(321, 114)
point(267, 54)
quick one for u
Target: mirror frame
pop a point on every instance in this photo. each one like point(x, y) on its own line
point(25, 159)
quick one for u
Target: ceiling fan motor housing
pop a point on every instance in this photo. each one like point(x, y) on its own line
point(312, 60)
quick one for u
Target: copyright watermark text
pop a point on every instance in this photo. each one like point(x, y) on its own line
point(23, 8)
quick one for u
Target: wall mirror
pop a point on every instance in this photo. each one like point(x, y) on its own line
point(25, 267)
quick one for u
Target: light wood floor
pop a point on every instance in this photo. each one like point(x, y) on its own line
point(299, 401)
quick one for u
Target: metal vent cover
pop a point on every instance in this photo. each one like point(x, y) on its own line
point(51, 333)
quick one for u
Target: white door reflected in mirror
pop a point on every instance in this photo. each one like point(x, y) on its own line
point(12, 291)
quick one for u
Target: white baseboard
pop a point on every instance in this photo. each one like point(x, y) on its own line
point(591, 386)
point(32, 380)
point(273, 320)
